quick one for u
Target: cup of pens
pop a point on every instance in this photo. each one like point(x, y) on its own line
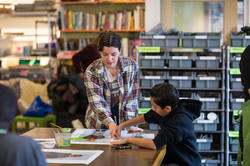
point(62, 139)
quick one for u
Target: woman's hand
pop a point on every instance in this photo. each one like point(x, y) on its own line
point(113, 130)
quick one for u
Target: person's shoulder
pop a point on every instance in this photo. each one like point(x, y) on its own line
point(96, 65)
point(127, 61)
point(20, 140)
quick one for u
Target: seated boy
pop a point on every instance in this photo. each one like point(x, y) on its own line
point(15, 150)
point(175, 118)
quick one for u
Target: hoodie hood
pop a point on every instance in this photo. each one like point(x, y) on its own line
point(192, 107)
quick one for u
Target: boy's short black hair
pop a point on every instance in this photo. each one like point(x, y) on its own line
point(7, 106)
point(109, 39)
point(165, 94)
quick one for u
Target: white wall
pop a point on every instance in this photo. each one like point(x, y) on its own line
point(152, 13)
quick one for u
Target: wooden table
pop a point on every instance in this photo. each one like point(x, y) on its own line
point(129, 157)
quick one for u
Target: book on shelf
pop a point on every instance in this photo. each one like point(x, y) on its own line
point(126, 19)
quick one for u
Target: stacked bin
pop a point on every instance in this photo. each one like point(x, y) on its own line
point(201, 40)
point(235, 93)
point(239, 40)
point(162, 41)
point(209, 160)
point(184, 67)
point(208, 80)
point(180, 79)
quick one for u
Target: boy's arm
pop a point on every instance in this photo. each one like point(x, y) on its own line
point(131, 122)
point(142, 142)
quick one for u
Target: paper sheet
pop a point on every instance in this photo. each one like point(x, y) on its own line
point(71, 156)
point(104, 141)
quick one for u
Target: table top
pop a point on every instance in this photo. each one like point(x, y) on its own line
point(127, 157)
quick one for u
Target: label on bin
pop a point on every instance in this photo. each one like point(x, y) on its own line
point(203, 161)
point(237, 49)
point(240, 100)
point(207, 99)
point(234, 71)
point(238, 79)
point(207, 78)
point(234, 134)
point(247, 37)
point(148, 49)
point(152, 57)
point(179, 57)
point(200, 37)
point(159, 37)
point(204, 121)
point(146, 98)
point(152, 77)
point(237, 112)
point(215, 49)
point(202, 140)
point(180, 77)
point(207, 57)
point(237, 58)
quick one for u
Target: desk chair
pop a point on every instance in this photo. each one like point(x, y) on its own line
point(160, 156)
point(41, 121)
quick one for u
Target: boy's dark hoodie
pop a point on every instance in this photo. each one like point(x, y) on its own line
point(177, 133)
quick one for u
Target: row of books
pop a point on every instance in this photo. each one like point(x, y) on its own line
point(126, 19)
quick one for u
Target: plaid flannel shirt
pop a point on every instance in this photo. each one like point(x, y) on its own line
point(98, 114)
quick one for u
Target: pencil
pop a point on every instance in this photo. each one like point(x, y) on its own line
point(55, 125)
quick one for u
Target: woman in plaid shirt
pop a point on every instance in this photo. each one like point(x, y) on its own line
point(111, 84)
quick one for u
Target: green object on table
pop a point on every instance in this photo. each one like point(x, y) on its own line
point(77, 138)
point(41, 121)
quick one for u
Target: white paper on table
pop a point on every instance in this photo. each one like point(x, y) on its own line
point(104, 141)
point(45, 140)
point(87, 156)
point(85, 132)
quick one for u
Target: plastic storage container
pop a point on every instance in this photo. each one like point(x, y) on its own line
point(205, 125)
point(236, 100)
point(204, 144)
point(210, 100)
point(180, 60)
point(239, 40)
point(180, 79)
point(235, 82)
point(201, 40)
point(208, 62)
point(162, 41)
point(235, 60)
point(208, 80)
point(234, 144)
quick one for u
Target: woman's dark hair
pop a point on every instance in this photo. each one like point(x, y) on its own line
point(109, 39)
point(165, 94)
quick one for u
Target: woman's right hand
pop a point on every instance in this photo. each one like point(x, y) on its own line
point(113, 130)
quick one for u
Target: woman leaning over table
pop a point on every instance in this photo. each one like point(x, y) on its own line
point(111, 84)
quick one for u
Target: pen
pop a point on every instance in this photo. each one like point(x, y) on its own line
point(121, 147)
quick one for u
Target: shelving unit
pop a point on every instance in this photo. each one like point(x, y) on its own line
point(94, 19)
point(235, 98)
point(28, 72)
point(197, 73)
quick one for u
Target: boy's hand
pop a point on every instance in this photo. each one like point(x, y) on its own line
point(133, 129)
point(120, 142)
point(113, 130)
